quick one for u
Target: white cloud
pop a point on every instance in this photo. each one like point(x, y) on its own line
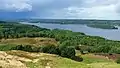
point(94, 9)
point(15, 5)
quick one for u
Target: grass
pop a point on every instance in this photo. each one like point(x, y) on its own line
point(68, 63)
point(22, 54)
point(105, 65)
point(90, 58)
point(90, 61)
point(59, 62)
point(29, 41)
point(53, 61)
point(6, 47)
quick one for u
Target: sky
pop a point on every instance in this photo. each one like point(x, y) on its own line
point(61, 9)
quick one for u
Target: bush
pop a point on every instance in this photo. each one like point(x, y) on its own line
point(24, 48)
point(49, 49)
point(118, 60)
point(68, 52)
point(68, 43)
point(28, 48)
point(63, 51)
point(19, 47)
point(77, 58)
point(77, 47)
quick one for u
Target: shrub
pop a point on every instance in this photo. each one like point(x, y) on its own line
point(49, 49)
point(19, 47)
point(68, 52)
point(28, 48)
point(63, 51)
point(118, 60)
point(77, 58)
point(24, 48)
point(77, 47)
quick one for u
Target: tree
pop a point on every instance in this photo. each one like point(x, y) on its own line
point(68, 52)
point(52, 49)
point(115, 50)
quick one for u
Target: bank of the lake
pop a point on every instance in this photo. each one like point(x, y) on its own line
point(112, 34)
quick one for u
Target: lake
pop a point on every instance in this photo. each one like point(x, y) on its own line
point(111, 34)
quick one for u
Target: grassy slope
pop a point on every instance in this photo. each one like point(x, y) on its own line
point(7, 44)
point(29, 41)
point(42, 60)
point(53, 61)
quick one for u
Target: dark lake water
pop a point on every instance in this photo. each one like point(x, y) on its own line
point(106, 33)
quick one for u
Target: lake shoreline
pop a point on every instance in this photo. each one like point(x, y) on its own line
point(111, 34)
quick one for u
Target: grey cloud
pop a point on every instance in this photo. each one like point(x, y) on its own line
point(99, 9)
point(105, 9)
point(15, 5)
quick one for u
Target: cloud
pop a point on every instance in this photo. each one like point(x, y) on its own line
point(85, 9)
point(15, 5)
point(96, 12)
point(90, 9)
point(49, 8)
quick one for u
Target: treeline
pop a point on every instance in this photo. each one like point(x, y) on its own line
point(16, 30)
point(73, 21)
point(103, 26)
point(68, 52)
point(66, 38)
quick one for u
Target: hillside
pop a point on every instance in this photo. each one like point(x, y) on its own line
point(29, 41)
point(33, 47)
point(21, 59)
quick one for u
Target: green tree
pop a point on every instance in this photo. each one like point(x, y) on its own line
point(68, 52)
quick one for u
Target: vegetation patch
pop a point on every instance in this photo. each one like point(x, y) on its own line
point(29, 41)
point(91, 58)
